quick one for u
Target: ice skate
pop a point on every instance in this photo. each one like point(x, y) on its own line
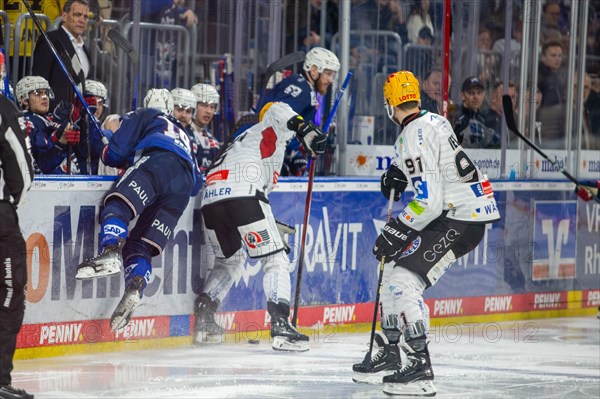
point(131, 298)
point(414, 379)
point(206, 328)
point(107, 263)
point(285, 336)
point(384, 360)
point(9, 392)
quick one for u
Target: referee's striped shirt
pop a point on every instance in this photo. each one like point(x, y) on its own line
point(16, 169)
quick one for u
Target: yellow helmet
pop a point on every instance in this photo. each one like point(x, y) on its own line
point(399, 88)
point(264, 110)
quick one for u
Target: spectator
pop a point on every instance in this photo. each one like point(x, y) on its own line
point(591, 100)
point(515, 41)
point(551, 17)
point(431, 91)
point(470, 125)
point(419, 17)
point(69, 44)
point(52, 135)
point(331, 25)
point(494, 115)
point(550, 82)
point(166, 48)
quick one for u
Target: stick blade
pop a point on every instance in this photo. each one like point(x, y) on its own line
point(125, 45)
point(509, 115)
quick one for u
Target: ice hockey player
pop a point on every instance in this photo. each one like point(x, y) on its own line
point(299, 91)
point(99, 102)
point(184, 103)
point(16, 175)
point(51, 134)
point(207, 104)
point(445, 220)
point(239, 219)
point(161, 176)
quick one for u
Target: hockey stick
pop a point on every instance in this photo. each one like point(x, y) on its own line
point(380, 279)
point(134, 57)
point(311, 177)
point(512, 126)
point(64, 69)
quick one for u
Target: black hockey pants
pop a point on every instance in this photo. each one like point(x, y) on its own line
point(13, 279)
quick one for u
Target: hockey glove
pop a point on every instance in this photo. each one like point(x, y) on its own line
point(587, 192)
point(311, 137)
point(393, 178)
point(393, 240)
point(283, 230)
point(72, 136)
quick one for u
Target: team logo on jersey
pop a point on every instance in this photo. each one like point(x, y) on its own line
point(481, 189)
point(412, 248)
point(255, 239)
point(420, 188)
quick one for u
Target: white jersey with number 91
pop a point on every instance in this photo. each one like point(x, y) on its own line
point(442, 175)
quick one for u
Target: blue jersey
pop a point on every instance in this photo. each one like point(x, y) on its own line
point(144, 129)
point(296, 92)
point(49, 154)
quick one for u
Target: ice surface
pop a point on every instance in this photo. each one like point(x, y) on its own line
point(545, 358)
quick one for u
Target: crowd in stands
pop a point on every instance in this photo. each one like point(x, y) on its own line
point(66, 140)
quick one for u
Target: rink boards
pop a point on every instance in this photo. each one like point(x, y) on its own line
point(542, 259)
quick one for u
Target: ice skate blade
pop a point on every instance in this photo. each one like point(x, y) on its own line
point(203, 338)
point(122, 314)
point(416, 388)
point(371, 378)
point(285, 345)
point(88, 272)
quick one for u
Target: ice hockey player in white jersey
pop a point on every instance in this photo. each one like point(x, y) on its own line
point(239, 219)
point(445, 220)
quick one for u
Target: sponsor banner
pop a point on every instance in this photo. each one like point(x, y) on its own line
point(93, 331)
point(555, 243)
point(372, 160)
point(591, 299)
point(59, 223)
point(247, 323)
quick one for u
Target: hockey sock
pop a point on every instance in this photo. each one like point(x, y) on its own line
point(278, 310)
point(137, 266)
point(113, 228)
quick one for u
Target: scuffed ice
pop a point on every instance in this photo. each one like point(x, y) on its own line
point(547, 358)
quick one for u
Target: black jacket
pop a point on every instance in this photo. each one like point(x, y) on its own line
point(16, 168)
point(46, 65)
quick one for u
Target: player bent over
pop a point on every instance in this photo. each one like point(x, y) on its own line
point(445, 221)
point(239, 219)
point(161, 176)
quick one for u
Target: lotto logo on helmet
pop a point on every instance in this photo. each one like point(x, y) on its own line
point(255, 239)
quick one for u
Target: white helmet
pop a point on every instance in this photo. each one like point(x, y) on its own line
point(29, 84)
point(159, 99)
point(206, 93)
point(322, 59)
point(184, 98)
point(96, 89)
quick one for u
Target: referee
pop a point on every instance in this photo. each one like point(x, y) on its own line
point(16, 174)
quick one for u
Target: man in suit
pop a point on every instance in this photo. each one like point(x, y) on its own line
point(68, 41)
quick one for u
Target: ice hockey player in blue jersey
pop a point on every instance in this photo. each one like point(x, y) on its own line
point(299, 91)
point(161, 176)
point(50, 134)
